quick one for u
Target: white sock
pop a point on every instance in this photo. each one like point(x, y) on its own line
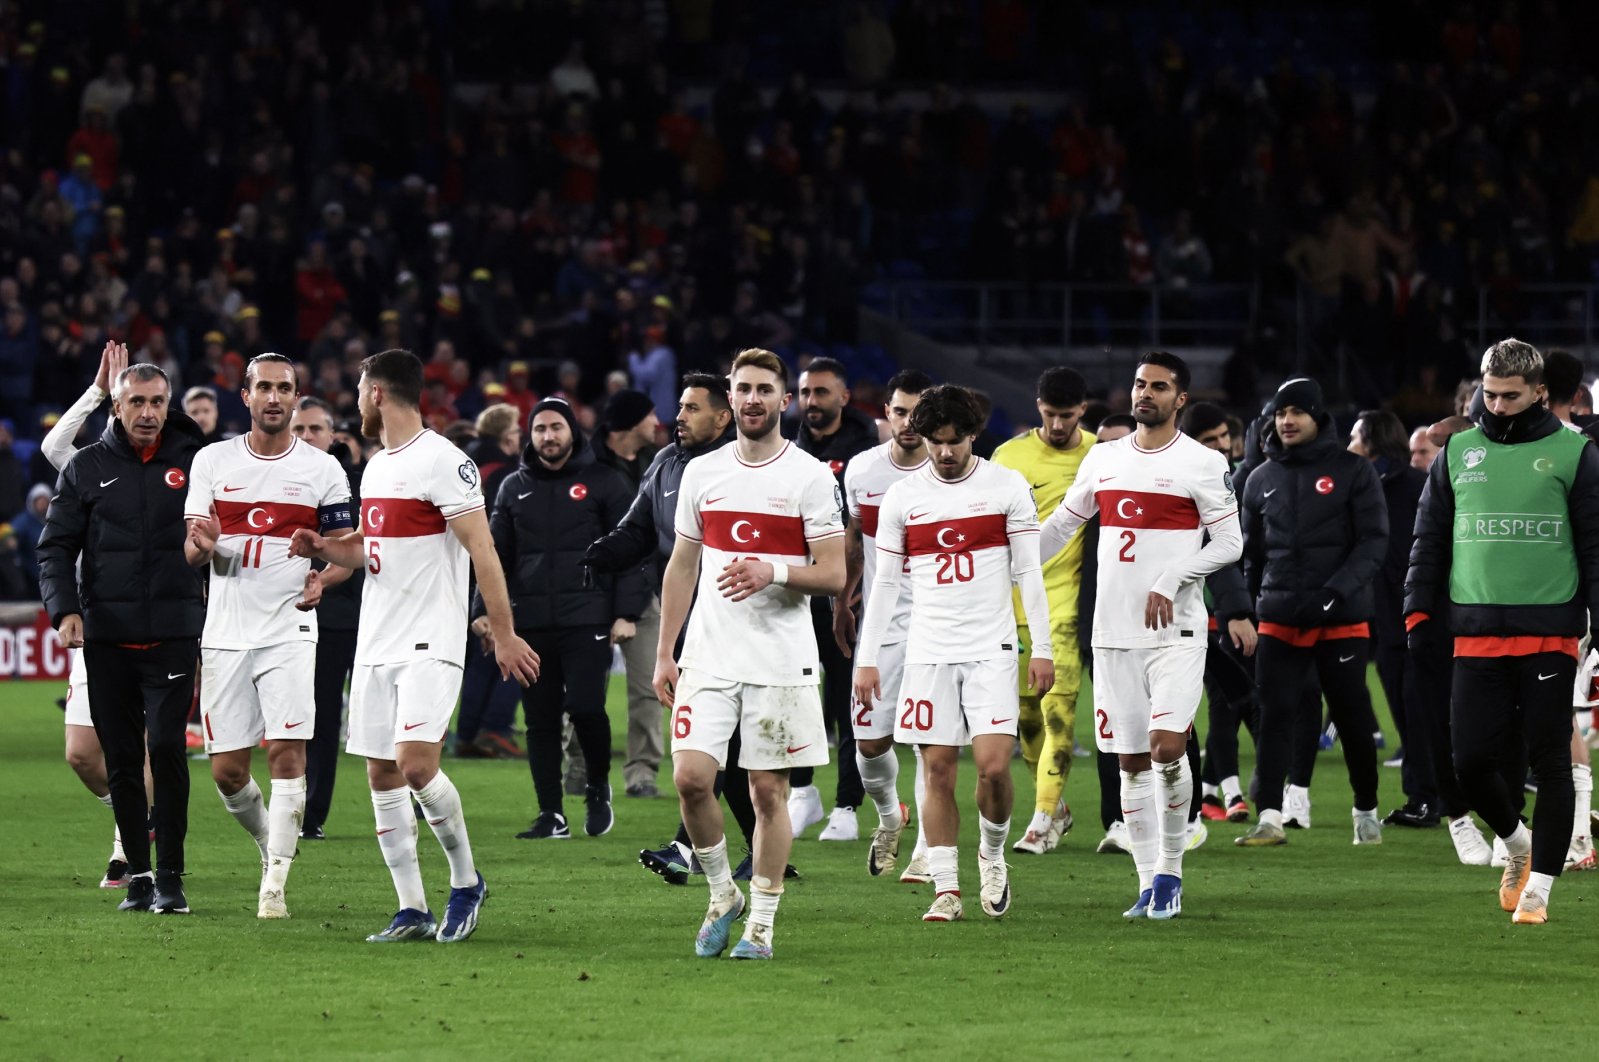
point(247, 806)
point(920, 848)
point(763, 908)
point(1582, 782)
point(1138, 812)
point(1538, 885)
point(396, 829)
point(441, 803)
point(718, 874)
point(116, 834)
point(942, 861)
point(1272, 816)
point(1519, 843)
point(993, 834)
point(1208, 790)
point(283, 829)
point(880, 779)
point(1176, 792)
point(1231, 791)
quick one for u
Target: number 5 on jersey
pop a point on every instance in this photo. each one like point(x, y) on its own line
point(374, 563)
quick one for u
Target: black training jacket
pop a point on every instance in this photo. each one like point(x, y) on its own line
point(124, 516)
point(856, 432)
point(1314, 520)
point(542, 522)
point(1427, 582)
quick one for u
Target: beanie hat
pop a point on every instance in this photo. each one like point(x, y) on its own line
point(561, 406)
point(1301, 392)
point(625, 408)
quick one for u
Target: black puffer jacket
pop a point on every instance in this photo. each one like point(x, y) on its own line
point(1401, 489)
point(542, 523)
point(125, 516)
point(856, 432)
point(1315, 533)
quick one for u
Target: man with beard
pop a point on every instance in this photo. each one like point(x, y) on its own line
point(246, 497)
point(833, 432)
point(422, 526)
point(548, 512)
point(759, 529)
point(1168, 518)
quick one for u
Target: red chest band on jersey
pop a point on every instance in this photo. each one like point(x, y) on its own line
point(964, 534)
point(1147, 510)
point(272, 519)
point(869, 520)
point(734, 532)
point(400, 518)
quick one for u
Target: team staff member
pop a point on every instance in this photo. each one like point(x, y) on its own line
point(832, 431)
point(1519, 593)
point(336, 618)
point(1315, 533)
point(548, 513)
point(137, 609)
point(1048, 458)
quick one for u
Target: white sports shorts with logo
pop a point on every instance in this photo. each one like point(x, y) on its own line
point(78, 691)
point(248, 694)
point(877, 720)
point(779, 727)
point(408, 701)
point(949, 704)
point(1139, 690)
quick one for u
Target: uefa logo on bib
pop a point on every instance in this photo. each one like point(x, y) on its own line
point(1475, 456)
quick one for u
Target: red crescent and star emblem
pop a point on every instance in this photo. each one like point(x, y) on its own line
point(175, 478)
point(1325, 485)
point(578, 492)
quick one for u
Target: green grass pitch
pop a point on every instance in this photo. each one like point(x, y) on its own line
point(1316, 950)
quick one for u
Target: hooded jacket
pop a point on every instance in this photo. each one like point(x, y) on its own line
point(124, 515)
point(856, 432)
point(542, 522)
point(1427, 582)
point(1315, 532)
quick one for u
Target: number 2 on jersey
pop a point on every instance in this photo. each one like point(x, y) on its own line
point(1125, 555)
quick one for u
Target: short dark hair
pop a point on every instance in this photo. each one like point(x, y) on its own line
point(313, 402)
point(1202, 417)
point(715, 386)
point(400, 373)
point(1060, 387)
point(1118, 420)
point(1562, 374)
point(1383, 434)
point(910, 381)
point(826, 364)
point(948, 405)
point(1171, 362)
point(1094, 414)
point(270, 359)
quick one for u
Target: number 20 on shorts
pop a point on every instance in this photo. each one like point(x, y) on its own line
point(918, 715)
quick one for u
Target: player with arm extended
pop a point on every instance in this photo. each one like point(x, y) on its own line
point(1048, 458)
point(422, 522)
point(247, 496)
point(1159, 494)
point(751, 520)
point(968, 530)
point(84, 754)
point(867, 479)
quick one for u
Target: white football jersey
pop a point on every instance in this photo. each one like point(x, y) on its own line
point(956, 537)
point(260, 502)
point(771, 512)
point(1154, 508)
point(866, 480)
point(414, 597)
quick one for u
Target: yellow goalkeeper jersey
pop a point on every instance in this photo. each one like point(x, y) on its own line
point(1049, 472)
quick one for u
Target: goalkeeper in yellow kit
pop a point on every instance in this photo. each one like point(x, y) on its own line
point(1048, 456)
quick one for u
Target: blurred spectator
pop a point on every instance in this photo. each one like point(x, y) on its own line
point(655, 371)
point(12, 483)
point(29, 525)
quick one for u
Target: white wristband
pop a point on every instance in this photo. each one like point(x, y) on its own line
point(779, 574)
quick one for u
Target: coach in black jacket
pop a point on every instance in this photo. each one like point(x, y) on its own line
point(1315, 536)
point(548, 512)
point(137, 608)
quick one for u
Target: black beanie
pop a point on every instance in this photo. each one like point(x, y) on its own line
point(624, 410)
point(1301, 392)
point(561, 406)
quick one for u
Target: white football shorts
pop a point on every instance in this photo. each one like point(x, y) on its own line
point(779, 727)
point(876, 720)
point(248, 694)
point(408, 701)
point(1139, 690)
point(949, 704)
